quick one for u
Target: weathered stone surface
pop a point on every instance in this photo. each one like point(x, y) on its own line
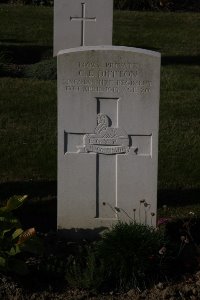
point(82, 23)
point(108, 110)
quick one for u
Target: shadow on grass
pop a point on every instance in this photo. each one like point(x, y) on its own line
point(181, 60)
point(81, 234)
point(178, 197)
point(30, 54)
point(173, 60)
point(40, 209)
point(26, 54)
point(11, 40)
point(31, 188)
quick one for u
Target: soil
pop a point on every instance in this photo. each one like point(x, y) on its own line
point(37, 286)
point(13, 289)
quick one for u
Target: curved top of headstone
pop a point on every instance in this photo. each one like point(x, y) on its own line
point(110, 48)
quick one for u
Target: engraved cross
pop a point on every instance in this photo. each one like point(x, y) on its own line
point(108, 142)
point(83, 19)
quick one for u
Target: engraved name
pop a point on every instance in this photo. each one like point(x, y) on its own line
point(108, 73)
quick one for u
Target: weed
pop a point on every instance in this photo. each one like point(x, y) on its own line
point(125, 257)
point(182, 253)
point(85, 270)
point(130, 254)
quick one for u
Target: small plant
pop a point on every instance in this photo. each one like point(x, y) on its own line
point(130, 253)
point(14, 240)
point(126, 257)
point(182, 253)
point(142, 215)
point(85, 270)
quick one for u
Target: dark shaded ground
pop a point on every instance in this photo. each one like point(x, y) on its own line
point(187, 288)
point(24, 54)
point(40, 210)
point(180, 197)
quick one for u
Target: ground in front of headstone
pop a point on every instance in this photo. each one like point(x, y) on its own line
point(187, 288)
point(46, 285)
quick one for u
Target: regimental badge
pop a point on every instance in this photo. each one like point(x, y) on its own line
point(105, 139)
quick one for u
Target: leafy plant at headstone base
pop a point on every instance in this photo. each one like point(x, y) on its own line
point(14, 240)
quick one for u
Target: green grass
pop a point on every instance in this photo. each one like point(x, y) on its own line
point(28, 106)
point(29, 36)
point(179, 154)
point(30, 25)
point(173, 34)
point(27, 129)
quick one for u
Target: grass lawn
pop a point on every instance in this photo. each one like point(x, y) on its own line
point(28, 129)
point(28, 106)
point(30, 25)
point(172, 34)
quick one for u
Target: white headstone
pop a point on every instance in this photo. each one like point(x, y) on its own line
point(82, 23)
point(108, 111)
